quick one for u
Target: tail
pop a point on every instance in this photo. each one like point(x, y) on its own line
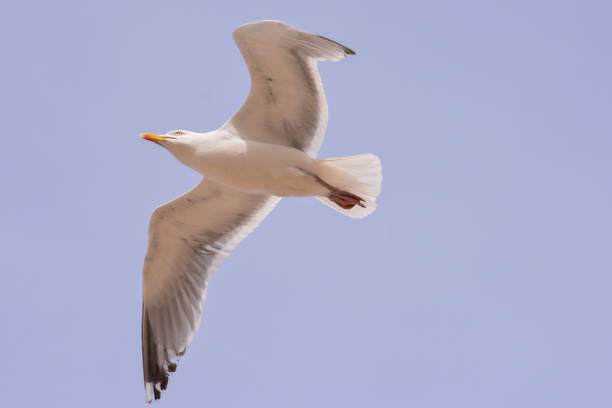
point(354, 176)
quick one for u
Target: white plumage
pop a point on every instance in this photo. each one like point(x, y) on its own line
point(265, 151)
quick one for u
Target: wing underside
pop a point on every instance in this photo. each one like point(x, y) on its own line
point(286, 104)
point(188, 239)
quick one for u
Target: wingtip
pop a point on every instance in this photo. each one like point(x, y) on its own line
point(155, 368)
point(347, 51)
point(149, 392)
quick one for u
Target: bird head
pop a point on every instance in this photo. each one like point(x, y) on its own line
point(181, 144)
point(174, 136)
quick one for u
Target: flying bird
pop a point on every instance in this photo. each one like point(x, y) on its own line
point(264, 152)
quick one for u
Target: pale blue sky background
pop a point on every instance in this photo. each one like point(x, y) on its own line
point(483, 279)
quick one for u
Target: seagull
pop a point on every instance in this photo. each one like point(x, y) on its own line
point(264, 152)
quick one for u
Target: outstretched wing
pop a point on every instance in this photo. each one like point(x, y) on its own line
point(188, 239)
point(286, 104)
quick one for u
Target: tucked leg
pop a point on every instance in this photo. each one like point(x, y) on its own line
point(343, 198)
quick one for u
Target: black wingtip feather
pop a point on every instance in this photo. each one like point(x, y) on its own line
point(346, 49)
point(153, 369)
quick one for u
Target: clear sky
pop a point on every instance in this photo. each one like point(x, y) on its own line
point(483, 279)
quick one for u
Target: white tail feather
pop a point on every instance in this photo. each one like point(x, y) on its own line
point(360, 175)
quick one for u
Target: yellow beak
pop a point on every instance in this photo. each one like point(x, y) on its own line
point(153, 137)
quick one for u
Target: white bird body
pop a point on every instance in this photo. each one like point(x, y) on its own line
point(255, 167)
point(265, 151)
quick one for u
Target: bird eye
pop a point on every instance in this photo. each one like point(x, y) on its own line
point(178, 133)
